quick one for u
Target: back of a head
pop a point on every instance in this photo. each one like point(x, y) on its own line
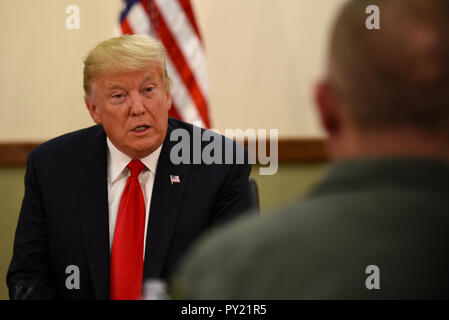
point(396, 76)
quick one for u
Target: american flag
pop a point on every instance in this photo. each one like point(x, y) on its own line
point(174, 179)
point(173, 23)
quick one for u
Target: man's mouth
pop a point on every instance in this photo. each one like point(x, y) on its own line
point(140, 129)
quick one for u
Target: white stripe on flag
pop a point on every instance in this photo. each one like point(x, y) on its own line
point(187, 40)
point(138, 20)
point(181, 97)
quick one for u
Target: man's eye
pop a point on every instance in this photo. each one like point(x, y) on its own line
point(118, 97)
point(149, 89)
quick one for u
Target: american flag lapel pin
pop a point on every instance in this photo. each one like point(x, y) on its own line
point(174, 179)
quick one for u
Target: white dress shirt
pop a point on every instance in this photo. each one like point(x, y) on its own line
point(118, 174)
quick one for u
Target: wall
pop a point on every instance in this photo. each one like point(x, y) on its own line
point(41, 63)
point(263, 58)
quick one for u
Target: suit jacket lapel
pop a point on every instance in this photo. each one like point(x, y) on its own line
point(166, 202)
point(93, 206)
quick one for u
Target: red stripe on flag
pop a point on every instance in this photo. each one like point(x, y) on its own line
point(188, 10)
point(177, 58)
point(126, 28)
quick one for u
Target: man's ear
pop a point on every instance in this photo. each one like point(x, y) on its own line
point(93, 111)
point(168, 98)
point(328, 108)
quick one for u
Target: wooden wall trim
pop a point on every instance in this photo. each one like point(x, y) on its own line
point(302, 150)
point(15, 154)
point(289, 150)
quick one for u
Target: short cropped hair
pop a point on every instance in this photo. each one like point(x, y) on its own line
point(126, 53)
point(398, 75)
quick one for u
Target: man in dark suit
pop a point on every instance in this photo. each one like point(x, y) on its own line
point(376, 227)
point(107, 207)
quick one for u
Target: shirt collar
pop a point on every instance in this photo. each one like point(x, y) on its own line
point(117, 160)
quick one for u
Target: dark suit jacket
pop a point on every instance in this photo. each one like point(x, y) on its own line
point(64, 215)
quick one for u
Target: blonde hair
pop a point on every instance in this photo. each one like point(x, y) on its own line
point(124, 54)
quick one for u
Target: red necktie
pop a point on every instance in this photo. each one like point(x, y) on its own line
point(127, 246)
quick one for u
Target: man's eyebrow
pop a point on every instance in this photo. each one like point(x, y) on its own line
point(119, 87)
point(114, 87)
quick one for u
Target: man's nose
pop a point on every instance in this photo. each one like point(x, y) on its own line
point(137, 106)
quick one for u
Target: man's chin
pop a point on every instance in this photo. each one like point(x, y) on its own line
point(144, 149)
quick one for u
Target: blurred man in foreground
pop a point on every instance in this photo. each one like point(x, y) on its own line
point(107, 207)
point(376, 226)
